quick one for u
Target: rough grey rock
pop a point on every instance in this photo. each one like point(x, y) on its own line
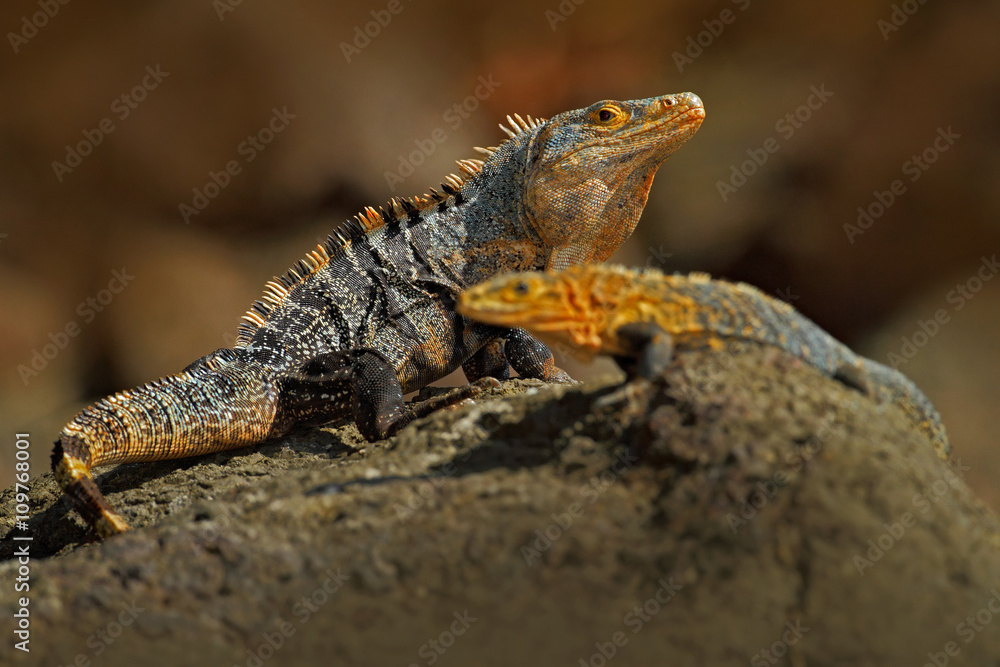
point(748, 510)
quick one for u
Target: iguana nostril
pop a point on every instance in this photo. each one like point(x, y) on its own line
point(692, 100)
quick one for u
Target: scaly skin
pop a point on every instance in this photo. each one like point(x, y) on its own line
point(639, 317)
point(369, 315)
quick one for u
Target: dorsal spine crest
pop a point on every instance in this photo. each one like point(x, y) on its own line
point(368, 220)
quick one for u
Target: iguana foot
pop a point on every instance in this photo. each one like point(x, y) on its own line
point(69, 463)
point(557, 375)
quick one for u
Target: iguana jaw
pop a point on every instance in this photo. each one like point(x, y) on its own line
point(655, 129)
point(588, 172)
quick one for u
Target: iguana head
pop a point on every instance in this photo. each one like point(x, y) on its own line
point(569, 309)
point(588, 172)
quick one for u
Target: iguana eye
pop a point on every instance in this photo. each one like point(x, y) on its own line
point(521, 289)
point(608, 115)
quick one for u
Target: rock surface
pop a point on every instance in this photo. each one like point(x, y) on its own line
point(749, 510)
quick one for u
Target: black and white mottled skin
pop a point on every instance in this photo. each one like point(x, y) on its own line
point(370, 314)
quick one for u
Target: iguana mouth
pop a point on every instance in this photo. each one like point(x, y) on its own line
point(684, 129)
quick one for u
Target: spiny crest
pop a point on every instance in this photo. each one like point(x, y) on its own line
point(519, 125)
point(398, 208)
point(278, 288)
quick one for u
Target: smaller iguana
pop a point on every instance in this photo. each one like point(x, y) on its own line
point(639, 317)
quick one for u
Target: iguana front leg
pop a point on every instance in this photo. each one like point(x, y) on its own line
point(363, 384)
point(488, 361)
point(517, 349)
point(648, 350)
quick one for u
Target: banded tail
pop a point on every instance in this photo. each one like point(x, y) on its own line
point(215, 404)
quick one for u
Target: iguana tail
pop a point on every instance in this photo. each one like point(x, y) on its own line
point(894, 387)
point(217, 403)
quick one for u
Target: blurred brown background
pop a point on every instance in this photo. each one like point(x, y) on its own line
point(883, 86)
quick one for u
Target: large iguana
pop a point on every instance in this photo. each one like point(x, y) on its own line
point(369, 315)
point(639, 317)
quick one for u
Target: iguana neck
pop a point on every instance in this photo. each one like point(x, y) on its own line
point(484, 230)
